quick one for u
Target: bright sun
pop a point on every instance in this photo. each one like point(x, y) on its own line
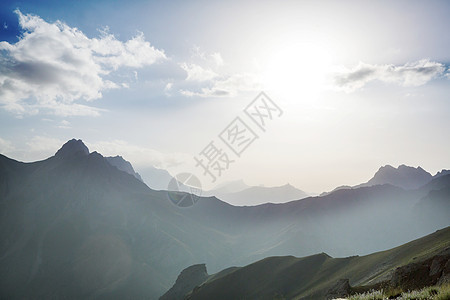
point(297, 70)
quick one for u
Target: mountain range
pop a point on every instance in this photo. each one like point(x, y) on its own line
point(403, 176)
point(238, 193)
point(75, 226)
point(256, 195)
point(156, 178)
point(123, 165)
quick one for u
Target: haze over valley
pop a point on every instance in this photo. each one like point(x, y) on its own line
point(182, 150)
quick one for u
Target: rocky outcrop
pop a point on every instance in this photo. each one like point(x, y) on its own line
point(426, 273)
point(413, 276)
point(342, 288)
point(188, 279)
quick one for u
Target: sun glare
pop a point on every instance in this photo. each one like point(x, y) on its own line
point(297, 69)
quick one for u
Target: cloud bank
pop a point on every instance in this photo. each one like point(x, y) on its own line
point(53, 65)
point(227, 86)
point(410, 74)
point(197, 73)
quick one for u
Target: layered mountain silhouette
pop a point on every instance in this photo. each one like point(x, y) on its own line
point(442, 173)
point(120, 163)
point(155, 178)
point(230, 187)
point(238, 193)
point(74, 226)
point(256, 195)
point(403, 176)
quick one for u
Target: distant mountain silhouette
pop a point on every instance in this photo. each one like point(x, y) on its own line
point(229, 187)
point(74, 226)
point(403, 176)
point(157, 179)
point(259, 195)
point(120, 163)
point(442, 173)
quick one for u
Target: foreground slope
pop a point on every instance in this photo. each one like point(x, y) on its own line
point(312, 277)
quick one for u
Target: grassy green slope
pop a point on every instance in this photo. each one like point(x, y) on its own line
point(310, 277)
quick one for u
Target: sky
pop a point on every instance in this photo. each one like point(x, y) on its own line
point(349, 86)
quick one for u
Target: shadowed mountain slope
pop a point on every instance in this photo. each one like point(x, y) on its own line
point(73, 226)
point(120, 163)
point(312, 277)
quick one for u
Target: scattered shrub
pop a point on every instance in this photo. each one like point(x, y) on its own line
point(428, 293)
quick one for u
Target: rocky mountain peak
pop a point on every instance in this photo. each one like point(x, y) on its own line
point(404, 176)
point(72, 147)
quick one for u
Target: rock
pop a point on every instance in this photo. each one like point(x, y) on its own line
point(341, 289)
point(426, 273)
point(445, 277)
point(188, 279)
point(437, 266)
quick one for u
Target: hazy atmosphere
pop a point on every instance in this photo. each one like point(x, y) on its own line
point(361, 84)
point(198, 150)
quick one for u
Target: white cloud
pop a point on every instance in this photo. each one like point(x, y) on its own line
point(5, 146)
point(53, 65)
point(168, 89)
point(169, 86)
point(64, 124)
point(217, 59)
point(197, 73)
point(201, 56)
point(44, 144)
point(410, 74)
point(204, 78)
point(228, 86)
point(36, 148)
point(134, 53)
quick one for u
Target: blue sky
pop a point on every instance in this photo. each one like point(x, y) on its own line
point(361, 83)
